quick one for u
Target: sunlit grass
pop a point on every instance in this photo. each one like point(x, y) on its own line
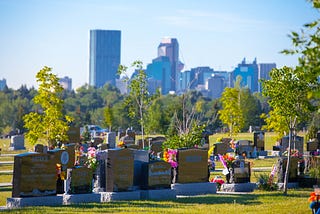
point(257, 202)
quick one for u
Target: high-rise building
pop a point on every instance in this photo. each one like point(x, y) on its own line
point(169, 47)
point(105, 50)
point(66, 83)
point(160, 69)
point(216, 85)
point(264, 70)
point(3, 84)
point(248, 73)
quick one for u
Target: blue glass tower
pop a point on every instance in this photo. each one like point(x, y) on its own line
point(105, 50)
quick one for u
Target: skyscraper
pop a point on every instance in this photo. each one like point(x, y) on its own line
point(66, 83)
point(248, 73)
point(105, 50)
point(169, 47)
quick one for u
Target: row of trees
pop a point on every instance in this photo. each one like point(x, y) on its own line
point(107, 107)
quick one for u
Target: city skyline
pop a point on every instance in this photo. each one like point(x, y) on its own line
point(210, 33)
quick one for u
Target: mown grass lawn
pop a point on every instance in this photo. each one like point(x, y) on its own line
point(257, 202)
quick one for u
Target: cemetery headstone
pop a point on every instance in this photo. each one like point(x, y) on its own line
point(157, 174)
point(192, 166)
point(79, 180)
point(73, 135)
point(296, 143)
point(40, 148)
point(111, 139)
point(140, 157)
point(258, 140)
point(34, 174)
point(293, 169)
point(17, 142)
point(240, 172)
point(119, 170)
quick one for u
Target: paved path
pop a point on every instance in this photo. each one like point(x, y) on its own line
point(6, 162)
point(5, 184)
point(255, 169)
point(6, 172)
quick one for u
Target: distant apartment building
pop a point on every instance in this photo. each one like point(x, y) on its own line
point(122, 86)
point(3, 84)
point(66, 83)
point(264, 70)
point(104, 59)
point(215, 86)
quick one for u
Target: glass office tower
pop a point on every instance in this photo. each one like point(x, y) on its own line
point(105, 50)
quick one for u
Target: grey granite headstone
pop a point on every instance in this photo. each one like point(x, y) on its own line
point(17, 142)
point(111, 139)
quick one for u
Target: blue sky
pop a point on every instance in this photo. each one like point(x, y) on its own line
point(214, 33)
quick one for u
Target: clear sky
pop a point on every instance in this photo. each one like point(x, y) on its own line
point(215, 33)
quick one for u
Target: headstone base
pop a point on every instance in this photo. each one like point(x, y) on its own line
point(290, 185)
point(238, 187)
point(158, 194)
point(35, 201)
point(81, 198)
point(194, 188)
point(118, 196)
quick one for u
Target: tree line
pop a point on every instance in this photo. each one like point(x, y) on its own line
point(106, 107)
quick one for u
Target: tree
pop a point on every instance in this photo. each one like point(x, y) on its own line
point(49, 123)
point(231, 112)
point(108, 116)
point(288, 91)
point(138, 99)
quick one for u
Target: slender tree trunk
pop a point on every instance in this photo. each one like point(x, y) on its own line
point(286, 176)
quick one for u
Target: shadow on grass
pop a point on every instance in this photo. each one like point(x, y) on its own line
point(6, 189)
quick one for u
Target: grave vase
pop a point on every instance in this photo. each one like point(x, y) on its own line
point(228, 178)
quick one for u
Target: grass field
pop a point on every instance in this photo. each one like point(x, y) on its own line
point(256, 202)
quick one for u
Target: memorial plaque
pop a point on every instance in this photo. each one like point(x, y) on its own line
point(157, 174)
point(192, 166)
point(119, 170)
point(34, 174)
point(79, 180)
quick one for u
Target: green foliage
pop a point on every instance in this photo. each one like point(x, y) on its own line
point(264, 184)
point(191, 139)
point(108, 116)
point(49, 123)
point(138, 100)
point(231, 113)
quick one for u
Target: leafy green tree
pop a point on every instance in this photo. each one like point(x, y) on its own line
point(288, 91)
point(108, 116)
point(49, 124)
point(231, 113)
point(138, 99)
